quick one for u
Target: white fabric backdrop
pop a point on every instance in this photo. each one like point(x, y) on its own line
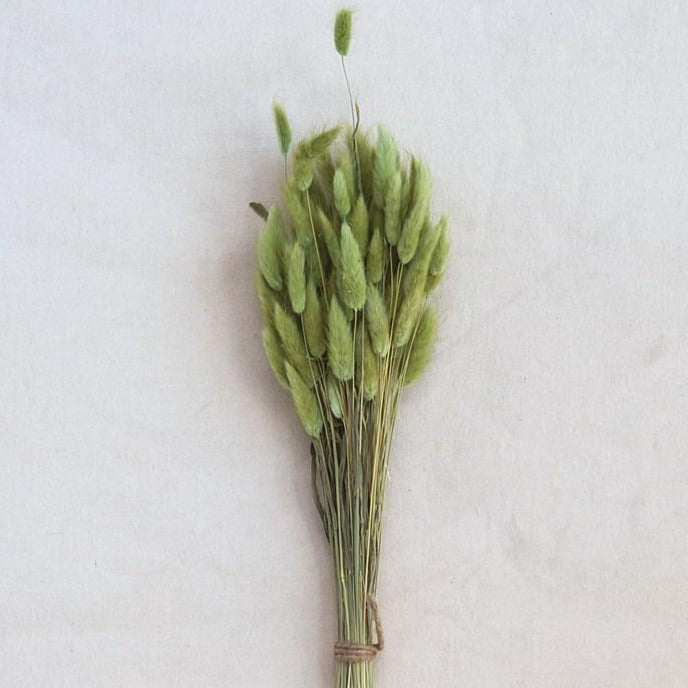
point(156, 525)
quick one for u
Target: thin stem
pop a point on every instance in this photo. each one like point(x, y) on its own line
point(353, 126)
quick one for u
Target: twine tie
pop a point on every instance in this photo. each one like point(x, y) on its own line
point(359, 652)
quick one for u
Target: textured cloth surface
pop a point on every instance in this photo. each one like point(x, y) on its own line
point(156, 523)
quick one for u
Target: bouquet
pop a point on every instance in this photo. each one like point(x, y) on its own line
point(343, 279)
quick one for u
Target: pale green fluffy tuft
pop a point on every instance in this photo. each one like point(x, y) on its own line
point(352, 280)
point(377, 321)
point(410, 233)
point(305, 401)
point(371, 373)
point(282, 127)
point(270, 249)
point(342, 202)
point(330, 238)
point(313, 322)
point(422, 345)
point(346, 164)
point(375, 260)
point(416, 272)
point(342, 31)
point(296, 278)
point(339, 342)
point(292, 341)
point(273, 351)
point(407, 316)
point(386, 162)
point(334, 396)
point(358, 221)
point(441, 252)
point(392, 209)
point(298, 212)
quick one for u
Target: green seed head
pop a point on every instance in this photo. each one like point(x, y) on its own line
point(371, 373)
point(282, 127)
point(341, 195)
point(386, 163)
point(359, 223)
point(345, 163)
point(377, 321)
point(342, 31)
point(273, 350)
point(416, 272)
point(339, 342)
point(313, 322)
point(292, 341)
point(330, 238)
point(422, 345)
point(300, 220)
point(270, 249)
point(375, 261)
point(410, 233)
point(333, 396)
point(407, 316)
point(296, 278)
point(352, 280)
point(266, 297)
point(305, 401)
point(393, 209)
point(441, 252)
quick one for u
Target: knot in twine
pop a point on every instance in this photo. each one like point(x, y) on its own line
point(358, 652)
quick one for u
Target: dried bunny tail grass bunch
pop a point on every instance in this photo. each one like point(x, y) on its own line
point(343, 281)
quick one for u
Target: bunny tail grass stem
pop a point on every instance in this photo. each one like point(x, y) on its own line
point(354, 125)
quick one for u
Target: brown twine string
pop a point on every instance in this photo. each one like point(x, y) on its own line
point(358, 652)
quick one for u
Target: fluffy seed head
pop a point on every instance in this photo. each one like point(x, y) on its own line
point(305, 401)
point(342, 31)
point(341, 196)
point(392, 209)
point(359, 223)
point(410, 233)
point(319, 143)
point(417, 270)
point(296, 278)
point(282, 127)
point(330, 238)
point(422, 345)
point(441, 252)
point(266, 297)
point(352, 280)
point(273, 351)
point(386, 162)
point(333, 396)
point(300, 220)
point(377, 321)
point(371, 374)
point(270, 248)
point(346, 164)
point(292, 341)
point(340, 355)
point(407, 316)
point(365, 163)
point(313, 322)
point(375, 261)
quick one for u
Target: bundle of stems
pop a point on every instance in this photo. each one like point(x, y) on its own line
point(343, 284)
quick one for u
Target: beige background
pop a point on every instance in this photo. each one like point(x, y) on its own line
point(156, 525)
